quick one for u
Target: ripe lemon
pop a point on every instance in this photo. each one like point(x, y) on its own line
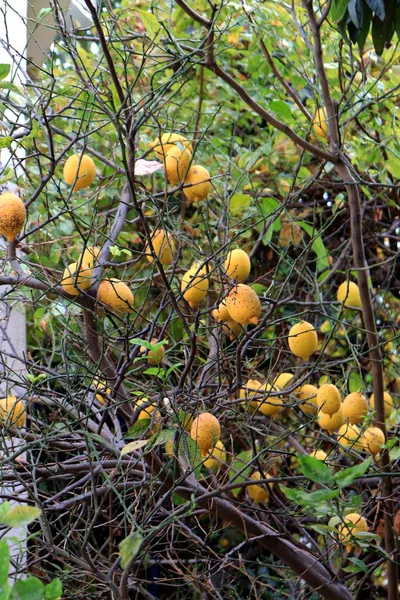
point(303, 340)
point(373, 440)
point(80, 171)
point(307, 396)
point(194, 285)
point(101, 386)
point(319, 454)
point(353, 524)
point(243, 305)
point(350, 436)
point(72, 281)
point(149, 412)
point(320, 124)
point(355, 407)
point(176, 164)
point(331, 423)
point(232, 329)
point(205, 431)
point(349, 294)
point(167, 140)
point(198, 184)
point(388, 403)
point(216, 457)
point(256, 492)
point(164, 247)
point(221, 312)
point(116, 295)
point(89, 256)
point(12, 215)
point(328, 399)
point(12, 412)
point(237, 265)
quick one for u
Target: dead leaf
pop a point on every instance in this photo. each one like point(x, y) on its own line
point(147, 167)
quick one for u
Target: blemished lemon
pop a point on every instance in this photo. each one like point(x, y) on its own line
point(197, 184)
point(256, 492)
point(12, 215)
point(116, 295)
point(349, 294)
point(328, 399)
point(89, 256)
point(237, 265)
point(388, 403)
point(373, 440)
point(243, 305)
point(355, 407)
point(80, 171)
point(163, 245)
point(303, 339)
point(205, 431)
point(216, 457)
point(307, 396)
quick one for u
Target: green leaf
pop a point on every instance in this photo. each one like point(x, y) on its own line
point(4, 562)
point(162, 437)
point(338, 9)
point(281, 108)
point(138, 429)
point(4, 70)
point(347, 476)
point(151, 24)
point(53, 590)
point(355, 382)
point(129, 547)
point(4, 509)
point(357, 565)
point(5, 141)
point(314, 469)
point(308, 498)
point(242, 459)
point(191, 453)
point(43, 12)
point(28, 589)
point(393, 164)
point(132, 446)
point(317, 245)
point(156, 371)
point(18, 516)
point(178, 500)
point(238, 202)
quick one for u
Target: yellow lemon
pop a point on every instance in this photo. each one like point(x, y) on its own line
point(328, 399)
point(216, 457)
point(320, 124)
point(303, 340)
point(373, 440)
point(331, 423)
point(12, 412)
point(197, 184)
point(355, 407)
point(116, 295)
point(237, 265)
point(319, 454)
point(243, 305)
point(12, 215)
point(388, 403)
point(256, 492)
point(349, 294)
point(205, 431)
point(176, 164)
point(72, 281)
point(194, 286)
point(80, 171)
point(164, 247)
point(307, 396)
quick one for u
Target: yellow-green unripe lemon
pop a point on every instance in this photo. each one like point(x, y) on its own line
point(319, 454)
point(72, 281)
point(162, 144)
point(205, 431)
point(256, 492)
point(388, 403)
point(197, 184)
point(80, 171)
point(331, 423)
point(12, 412)
point(373, 440)
point(12, 215)
point(349, 294)
point(194, 286)
point(355, 407)
point(216, 457)
point(176, 164)
point(353, 524)
point(307, 396)
point(237, 265)
point(328, 399)
point(243, 305)
point(349, 436)
point(221, 312)
point(116, 295)
point(303, 340)
point(163, 246)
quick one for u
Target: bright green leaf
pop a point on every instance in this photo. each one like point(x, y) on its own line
point(151, 24)
point(129, 547)
point(239, 202)
point(347, 476)
point(4, 70)
point(355, 382)
point(53, 590)
point(28, 589)
point(308, 498)
point(4, 562)
point(132, 446)
point(18, 516)
point(314, 469)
